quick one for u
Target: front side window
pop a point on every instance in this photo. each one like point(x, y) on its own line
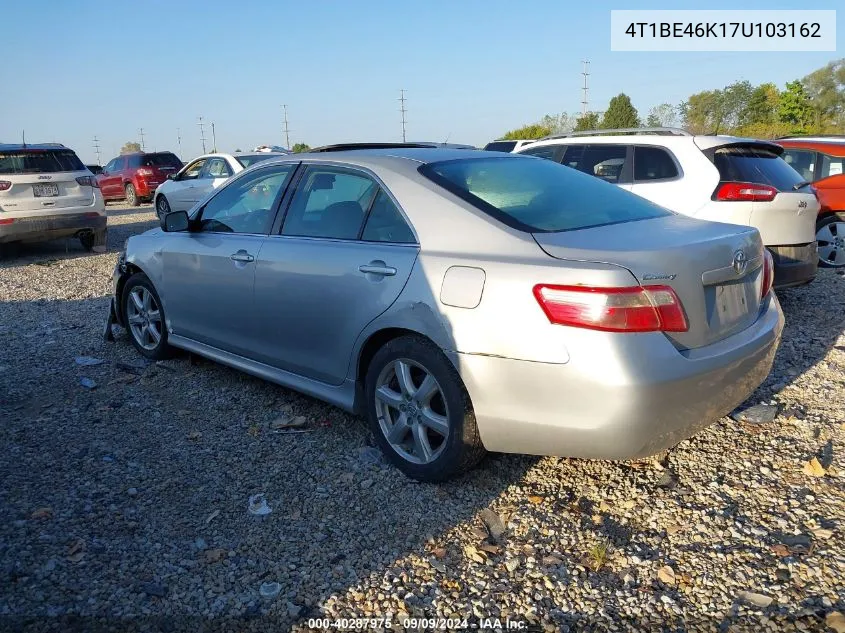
point(603, 161)
point(245, 205)
point(539, 196)
point(802, 161)
point(329, 203)
point(193, 170)
point(653, 163)
point(832, 165)
point(386, 224)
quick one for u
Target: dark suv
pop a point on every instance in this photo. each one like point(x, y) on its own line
point(134, 177)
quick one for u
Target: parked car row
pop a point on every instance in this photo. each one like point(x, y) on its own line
point(462, 301)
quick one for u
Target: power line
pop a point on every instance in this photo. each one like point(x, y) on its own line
point(287, 129)
point(402, 109)
point(202, 134)
point(586, 74)
point(97, 149)
point(143, 146)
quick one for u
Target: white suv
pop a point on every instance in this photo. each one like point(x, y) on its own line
point(46, 192)
point(719, 178)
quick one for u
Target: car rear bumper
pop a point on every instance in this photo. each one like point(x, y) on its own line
point(634, 396)
point(795, 265)
point(146, 188)
point(48, 227)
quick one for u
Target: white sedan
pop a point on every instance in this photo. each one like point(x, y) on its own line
point(182, 190)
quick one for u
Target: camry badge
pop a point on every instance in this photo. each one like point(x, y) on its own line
point(740, 262)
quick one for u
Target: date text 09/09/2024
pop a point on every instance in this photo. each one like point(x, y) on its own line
point(416, 624)
point(724, 29)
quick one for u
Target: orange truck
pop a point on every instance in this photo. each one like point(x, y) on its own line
point(821, 161)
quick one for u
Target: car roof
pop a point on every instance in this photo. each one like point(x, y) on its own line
point(702, 142)
point(413, 156)
point(832, 146)
point(10, 147)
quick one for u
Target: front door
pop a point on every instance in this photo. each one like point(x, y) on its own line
point(343, 256)
point(209, 271)
point(180, 191)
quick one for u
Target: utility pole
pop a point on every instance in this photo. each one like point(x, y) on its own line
point(97, 149)
point(287, 129)
point(202, 134)
point(143, 145)
point(585, 73)
point(403, 111)
point(179, 141)
point(213, 139)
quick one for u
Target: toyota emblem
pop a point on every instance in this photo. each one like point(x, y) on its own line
point(740, 262)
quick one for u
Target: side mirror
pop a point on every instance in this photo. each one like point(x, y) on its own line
point(172, 176)
point(175, 222)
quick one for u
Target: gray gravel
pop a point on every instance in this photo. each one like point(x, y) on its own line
point(129, 501)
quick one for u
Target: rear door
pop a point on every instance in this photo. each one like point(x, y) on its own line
point(209, 272)
point(343, 255)
point(609, 162)
point(42, 180)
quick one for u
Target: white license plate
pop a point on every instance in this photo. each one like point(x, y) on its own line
point(45, 191)
point(731, 303)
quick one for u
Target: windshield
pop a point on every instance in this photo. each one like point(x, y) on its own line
point(537, 195)
point(500, 146)
point(248, 161)
point(165, 159)
point(39, 161)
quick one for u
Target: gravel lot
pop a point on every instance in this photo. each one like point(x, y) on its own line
point(127, 504)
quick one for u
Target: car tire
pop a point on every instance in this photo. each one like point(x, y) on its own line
point(830, 235)
point(162, 206)
point(408, 425)
point(140, 303)
point(131, 195)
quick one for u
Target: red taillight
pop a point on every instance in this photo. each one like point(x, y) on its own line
point(88, 181)
point(4, 185)
point(634, 309)
point(6, 220)
point(745, 192)
point(145, 172)
point(768, 273)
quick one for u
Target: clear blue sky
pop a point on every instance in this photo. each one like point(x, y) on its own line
point(472, 68)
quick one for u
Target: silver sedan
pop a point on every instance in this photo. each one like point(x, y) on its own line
point(462, 301)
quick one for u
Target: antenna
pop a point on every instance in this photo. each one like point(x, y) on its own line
point(97, 149)
point(143, 145)
point(23, 137)
point(586, 73)
point(402, 109)
point(202, 134)
point(213, 138)
point(287, 130)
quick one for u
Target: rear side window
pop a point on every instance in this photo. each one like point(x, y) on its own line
point(603, 161)
point(39, 161)
point(758, 165)
point(832, 165)
point(385, 223)
point(500, 146)
point(161, 159)
point(653, 163)
point(539, 196)
point(551, 152)
point(135, 161)
point(248, 161)
point(802, 161)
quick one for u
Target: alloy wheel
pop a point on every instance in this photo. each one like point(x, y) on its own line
point(831, 241)
point(144, 317)
point(412, 412)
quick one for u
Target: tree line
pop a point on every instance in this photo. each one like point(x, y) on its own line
point(812, 105)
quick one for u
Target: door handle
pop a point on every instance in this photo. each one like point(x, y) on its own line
point(241, 256)
point(377, 268)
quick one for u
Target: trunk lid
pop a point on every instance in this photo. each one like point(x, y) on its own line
point(695, 258)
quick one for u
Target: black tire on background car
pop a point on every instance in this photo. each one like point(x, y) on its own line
point(162, 206)
point(144, 317)
point(419, 411)
point(87, 240)
point(131, 195)
point(830, 235)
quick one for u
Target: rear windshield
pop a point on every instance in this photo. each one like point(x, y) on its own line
point(537, 195)
point(39, 161)
point(164, 159)
point(248, 161)
point(500, 146)
point(755, 164)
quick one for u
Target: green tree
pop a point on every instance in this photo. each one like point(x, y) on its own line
point(129, 147)
point(762, 106)
point(620, 113)
point(663, 115)
point(702, 112)
point(826, 90)
point(795, 108)
point(589, 121)
point(533, 131)
point(558, 123)
point(298, 148)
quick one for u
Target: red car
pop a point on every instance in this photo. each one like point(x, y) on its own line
point(134, 177)
point(821, 161)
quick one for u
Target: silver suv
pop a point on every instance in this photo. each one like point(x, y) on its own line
point(46, 192)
